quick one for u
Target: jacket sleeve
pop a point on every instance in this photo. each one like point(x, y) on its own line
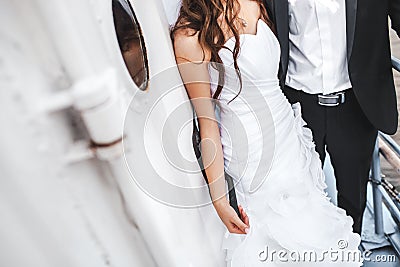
point(394, 13)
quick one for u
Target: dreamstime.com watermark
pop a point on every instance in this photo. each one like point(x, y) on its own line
point(334, 255)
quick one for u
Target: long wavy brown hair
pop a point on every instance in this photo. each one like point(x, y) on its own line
point(201, 16)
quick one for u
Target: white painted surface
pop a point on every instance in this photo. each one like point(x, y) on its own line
point(60, 205)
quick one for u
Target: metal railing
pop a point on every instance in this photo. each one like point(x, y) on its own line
point(396, 63)
point(380, 195)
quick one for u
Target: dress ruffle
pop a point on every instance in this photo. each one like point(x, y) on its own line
point(296, 214)
point(313, 162)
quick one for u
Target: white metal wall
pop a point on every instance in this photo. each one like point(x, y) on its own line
point(62, 80)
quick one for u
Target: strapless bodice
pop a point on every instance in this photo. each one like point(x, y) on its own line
point(258, 61)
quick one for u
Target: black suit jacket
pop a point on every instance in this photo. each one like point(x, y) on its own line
point(368, 54)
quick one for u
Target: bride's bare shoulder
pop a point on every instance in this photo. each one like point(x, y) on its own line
point(188, 48)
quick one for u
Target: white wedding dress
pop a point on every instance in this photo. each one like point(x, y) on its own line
point(269, 152)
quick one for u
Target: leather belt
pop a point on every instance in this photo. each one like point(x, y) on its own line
point(332, 100)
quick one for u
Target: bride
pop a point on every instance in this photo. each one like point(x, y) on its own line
point(228, 58)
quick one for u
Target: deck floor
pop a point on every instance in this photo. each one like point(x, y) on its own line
point(381, 251)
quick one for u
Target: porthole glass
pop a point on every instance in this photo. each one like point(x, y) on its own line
point(131, 43)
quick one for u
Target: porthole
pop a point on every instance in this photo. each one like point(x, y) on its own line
point(131, 42)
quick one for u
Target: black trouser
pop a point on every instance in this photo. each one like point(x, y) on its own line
point(349, 138)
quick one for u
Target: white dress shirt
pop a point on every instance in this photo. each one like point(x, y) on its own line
point(317, 46)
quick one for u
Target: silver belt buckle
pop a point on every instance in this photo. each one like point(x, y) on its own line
point(331, 100)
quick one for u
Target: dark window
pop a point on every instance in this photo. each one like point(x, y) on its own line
point(131, 43)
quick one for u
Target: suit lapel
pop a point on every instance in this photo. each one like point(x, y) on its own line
point(281, 16)
point(351, 12)
point(269, 5)
point(281, 9)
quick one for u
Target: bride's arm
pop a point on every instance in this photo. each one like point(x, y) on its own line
point(193, 66)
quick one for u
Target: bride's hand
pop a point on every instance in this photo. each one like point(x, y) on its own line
point(229, 217)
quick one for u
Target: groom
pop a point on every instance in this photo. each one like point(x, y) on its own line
point(336, 62)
